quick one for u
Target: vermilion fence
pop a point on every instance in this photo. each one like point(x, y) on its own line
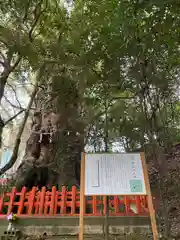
point(67, 203)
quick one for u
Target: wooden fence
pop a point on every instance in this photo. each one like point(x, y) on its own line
point(66, 203)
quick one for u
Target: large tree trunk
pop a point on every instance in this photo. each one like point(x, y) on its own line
point(53, 150)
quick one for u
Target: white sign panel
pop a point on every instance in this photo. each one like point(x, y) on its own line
point(114, 174)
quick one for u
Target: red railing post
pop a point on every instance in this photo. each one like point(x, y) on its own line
point(11, 201)
point(56, 202)
point(37, 201)
point(146, 201)
point(116, 204)
point(94, 205)
point(21, 202)
point(144, 206)
point(31, 199)
point(104, 205)
point(127, 205)
point(1, 202)
point(42, 200)
point(138, 204)
point(73, 200)
point(53, 197)
point(63, 200)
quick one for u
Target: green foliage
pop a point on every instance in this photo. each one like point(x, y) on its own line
point(118, 57)
point(113, 72)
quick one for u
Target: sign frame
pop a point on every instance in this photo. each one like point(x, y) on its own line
point(148, 194)
point(117, 194)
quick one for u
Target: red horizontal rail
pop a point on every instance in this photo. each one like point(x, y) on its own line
point(67, 203)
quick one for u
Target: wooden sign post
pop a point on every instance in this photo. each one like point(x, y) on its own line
point(115, 174)
point(149, 197)
point(82, 198)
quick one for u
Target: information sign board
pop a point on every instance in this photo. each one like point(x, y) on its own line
point(114, 174)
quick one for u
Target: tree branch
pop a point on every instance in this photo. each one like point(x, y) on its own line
point(13, 105)
point(13, 117)
point(2, 63)
point(26, 11)
point(21, 129)
point(3, 57)
point(19, 57)
point(15, 94)
point(38, 13)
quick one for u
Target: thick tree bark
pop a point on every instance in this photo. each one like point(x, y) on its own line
point(50, 162)
point(67, 155)
point(53, 150)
